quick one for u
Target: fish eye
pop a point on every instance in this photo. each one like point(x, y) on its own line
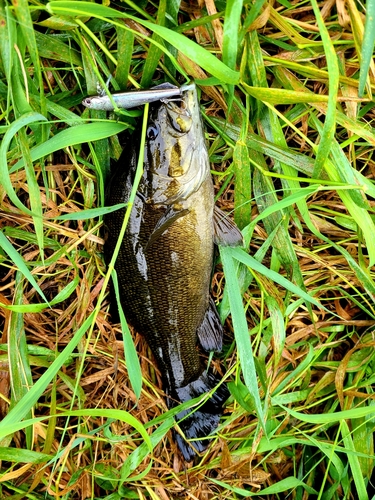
point(152, 133)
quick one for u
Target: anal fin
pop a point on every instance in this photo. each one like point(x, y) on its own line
point(210, 332)
point(226, 233)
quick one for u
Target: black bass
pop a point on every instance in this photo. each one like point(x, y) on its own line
point(165, 262)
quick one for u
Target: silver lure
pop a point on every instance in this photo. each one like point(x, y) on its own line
point(132, 99)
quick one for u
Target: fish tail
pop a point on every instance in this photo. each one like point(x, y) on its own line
point(202, 422)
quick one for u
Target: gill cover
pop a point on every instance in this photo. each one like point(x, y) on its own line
point(176, 154)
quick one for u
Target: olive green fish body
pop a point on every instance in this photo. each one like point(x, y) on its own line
point(164, 279)
point(165, 261)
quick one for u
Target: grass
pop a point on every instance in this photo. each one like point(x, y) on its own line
point(286, 95)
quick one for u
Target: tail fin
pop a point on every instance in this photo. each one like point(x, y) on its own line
point(203, 421)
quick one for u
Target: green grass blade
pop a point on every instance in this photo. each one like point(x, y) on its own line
point(282, 96)
point(241, 331)
point(53, 48)
point(240, 255)
point(232, 18)
point(23, 121)
point(125, 45)
point(90, 213)
point(26, 456)
point(72, 136)
point(17, 260)
point(19, 366)
point(154, 54)
point(242, 193)
point(192, 50)
point(290, 483)
point(130, 352)
point(329, 418)
point(354, 462)
point(333, 75)
point(367, 45)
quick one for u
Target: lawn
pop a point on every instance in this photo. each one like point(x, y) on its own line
point(286, 99)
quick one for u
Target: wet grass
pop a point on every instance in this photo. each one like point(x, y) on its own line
point(287, 103)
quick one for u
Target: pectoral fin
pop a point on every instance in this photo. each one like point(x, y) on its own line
point(210, 332)
point(165, 221)
point(226, 233)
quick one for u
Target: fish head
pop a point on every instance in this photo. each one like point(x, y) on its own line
point(176, 158)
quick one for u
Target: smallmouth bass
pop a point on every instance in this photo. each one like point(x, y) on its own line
point(165, 262)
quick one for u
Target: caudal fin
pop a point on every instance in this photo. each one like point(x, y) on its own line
point(203, 421)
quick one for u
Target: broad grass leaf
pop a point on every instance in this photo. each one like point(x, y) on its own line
point(195, 52)
point(242, 395)
point(57, 23)
point(265, 197)
point(125, 44)
point(191, 49)
point(367, 45)
point(353, 460)
point(278, 328)
point(19, 366)
point(241, 331)
point(131, 357)
point(329, 418)
point(18, 124)
point(242, 256)
point(26, 456)
point(90, 213)
point(154, 53)
point(363, 441)
point(72, 136)
point(283, 96)
point(57, 110)
point(34, 191)
point(18, 261)
point(232, 20)
point(282, 486)
point(55, 49)
point(290, 397)
point(25, 23)
point(242, 189)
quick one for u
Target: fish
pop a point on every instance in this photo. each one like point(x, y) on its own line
point(131, 99)
point(166, 257)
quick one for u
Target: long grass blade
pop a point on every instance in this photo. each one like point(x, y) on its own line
point(241, 332)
